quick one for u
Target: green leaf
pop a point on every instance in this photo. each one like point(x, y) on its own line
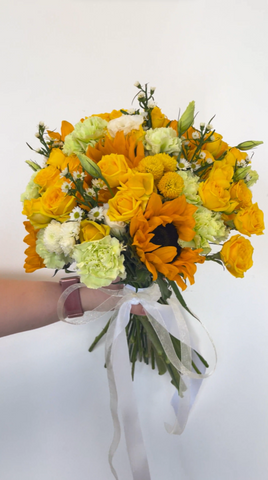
point(187, 119)
point(180, 297)
point(164, 287)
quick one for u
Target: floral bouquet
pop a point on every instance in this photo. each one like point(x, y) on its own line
point(135, 198)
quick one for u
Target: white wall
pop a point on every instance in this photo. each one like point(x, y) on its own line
point(67, 59)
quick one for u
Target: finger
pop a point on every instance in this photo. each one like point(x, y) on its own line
point(138, 310)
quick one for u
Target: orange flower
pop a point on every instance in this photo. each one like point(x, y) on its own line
point(66, 128)
point(33, 261)
point(130, 146)
point(155, 236)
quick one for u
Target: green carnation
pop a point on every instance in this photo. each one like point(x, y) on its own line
point(191, 185)
point(245, 173)
point(51, 259)
point(85, 133)
point(32, 190)
point(99, 262)
point(162, 140)
point(209, 227)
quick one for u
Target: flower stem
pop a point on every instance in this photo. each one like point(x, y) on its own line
point(98, 338)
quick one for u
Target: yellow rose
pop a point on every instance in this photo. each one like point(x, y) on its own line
point(241, 193)
point(140, 185)
point(250, 220)
point(215, 197)
point(90, 231)
point(114, 168)
point(158, 118)
point(234, 155)
point(123, 207)
point(60, 161)
point(216, 146)
point(222, 173)
point(56, 158)
point(237, 255)
point(56, 204)
point(47, 176)
point(108, 116)
point(32, 209)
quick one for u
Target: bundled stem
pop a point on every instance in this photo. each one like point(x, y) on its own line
point(145, 345)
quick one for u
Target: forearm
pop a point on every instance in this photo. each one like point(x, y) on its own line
point(26, 305)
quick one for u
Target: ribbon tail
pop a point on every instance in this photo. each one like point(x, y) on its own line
point(122, 395)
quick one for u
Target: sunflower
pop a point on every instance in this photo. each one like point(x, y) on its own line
point(130, 146)
point(33, 261)
point(155, 235)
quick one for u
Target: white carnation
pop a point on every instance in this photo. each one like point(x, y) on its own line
point(126, 123)
point(52, 235)
point(69, 235)
point(51, 259)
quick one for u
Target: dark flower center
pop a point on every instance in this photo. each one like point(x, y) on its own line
point(166, 237)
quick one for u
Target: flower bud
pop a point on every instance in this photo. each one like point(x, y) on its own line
point(248, 145)
point(187, 119)
point(89, 166)
point(33, 165)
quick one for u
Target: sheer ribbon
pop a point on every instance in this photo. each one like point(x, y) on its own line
point(165, 320)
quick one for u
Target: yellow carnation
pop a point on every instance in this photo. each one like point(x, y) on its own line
point(91, 231)
point(237, 255)
point(171, 185)
point(250, 220)
point(152, 164)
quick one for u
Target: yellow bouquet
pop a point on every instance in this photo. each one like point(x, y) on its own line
point(135, 198)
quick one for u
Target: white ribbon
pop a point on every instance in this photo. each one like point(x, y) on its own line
point(165, 320)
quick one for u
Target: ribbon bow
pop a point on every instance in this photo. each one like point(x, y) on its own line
point(165, 320)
